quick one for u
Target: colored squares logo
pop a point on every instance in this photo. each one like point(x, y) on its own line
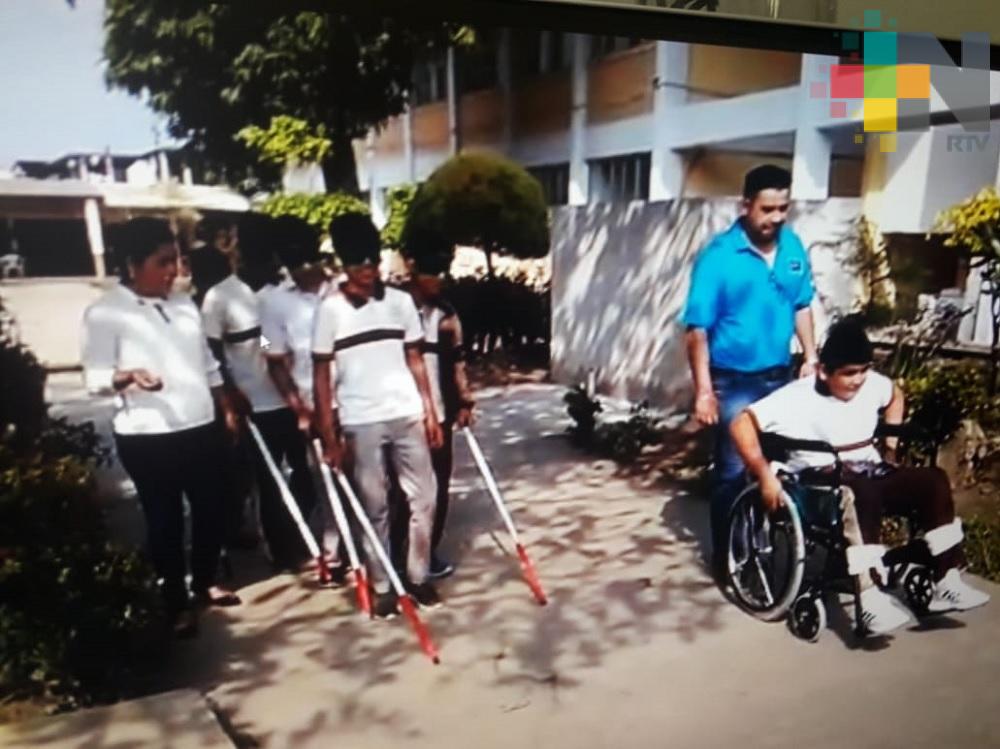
point(890, 93)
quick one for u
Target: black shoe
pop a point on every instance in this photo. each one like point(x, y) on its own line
point(386, 606)
point(440, 568)
point(338, 575)
point(425, 595)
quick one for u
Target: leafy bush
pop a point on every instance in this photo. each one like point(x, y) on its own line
point(583, 410)
point(480, 200)
point(399, 200)
point(982, 545)
point(317, 209)
point(22, 396)
point(622, 440)
point(72, 607)
point(74, 610)
point(940, 397)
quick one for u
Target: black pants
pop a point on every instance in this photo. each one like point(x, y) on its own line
point(442, 460)
point(163, 467)
point(285, 442)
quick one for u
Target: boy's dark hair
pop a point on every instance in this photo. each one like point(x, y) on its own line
point(211, 224)
point(765, 177)
point(137, 239)
point(432, 263)
point(209, 266)
point(355, 239)
point(255, 236)
point(295, 241)
point(846, 344)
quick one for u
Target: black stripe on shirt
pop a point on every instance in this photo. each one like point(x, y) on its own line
point(243, 335)
point(428, 347)
point(369, 336)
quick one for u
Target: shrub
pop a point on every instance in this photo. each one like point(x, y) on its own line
point(74, 610)
point(583, 410)
point(622, 440)
point(399, 200)
point(22, 396)
point(940, 397)
point(982, 545)
point(481, 200)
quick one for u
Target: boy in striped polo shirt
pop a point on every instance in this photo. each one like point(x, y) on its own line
point(367, 360)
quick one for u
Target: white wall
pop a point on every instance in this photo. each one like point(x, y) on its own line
point(924, 176)
point(620, 276)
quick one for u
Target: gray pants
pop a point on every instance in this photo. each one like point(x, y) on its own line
point(405, 442)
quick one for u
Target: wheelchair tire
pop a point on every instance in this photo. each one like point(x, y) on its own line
point(763, 547)
point(918, 585)
point(807, 617)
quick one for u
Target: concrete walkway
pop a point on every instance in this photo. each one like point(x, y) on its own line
point(636, 649)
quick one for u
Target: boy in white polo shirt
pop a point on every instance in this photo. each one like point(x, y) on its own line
point(232, 318)
point(366, 348)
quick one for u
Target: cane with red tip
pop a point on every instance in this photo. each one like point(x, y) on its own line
point(360, 578)
point(527, 567)
point(291, 505)
point(405, 602)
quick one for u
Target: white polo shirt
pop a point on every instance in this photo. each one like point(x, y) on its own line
point(122, 330)
point(366, 341)
point(287, 325)
point(799, 411)
point(231, 314)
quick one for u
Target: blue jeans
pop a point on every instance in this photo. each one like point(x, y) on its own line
point(734, 391)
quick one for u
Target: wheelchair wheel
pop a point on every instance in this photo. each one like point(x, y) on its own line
point(919, 588)
point(807, 617)
point(766, 556)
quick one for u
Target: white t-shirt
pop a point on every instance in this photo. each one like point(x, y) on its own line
point(798, 411)
point(367, 342)
point(287, 324)
point(231, 312)
point(122, 330)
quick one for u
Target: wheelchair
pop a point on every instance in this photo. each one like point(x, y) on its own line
point(785, 565)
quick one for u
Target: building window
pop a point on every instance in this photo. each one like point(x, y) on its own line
point(554, 179)
point(477, 64)
point(430, 81)
point(602, 46)
point(538, 52)
point(619, 179)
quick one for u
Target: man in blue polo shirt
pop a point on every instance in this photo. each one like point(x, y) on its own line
point(750, 293)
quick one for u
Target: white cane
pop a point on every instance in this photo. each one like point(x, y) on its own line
point(405, 603)
point(527, 567)
point(360, 578)
point(290, 504)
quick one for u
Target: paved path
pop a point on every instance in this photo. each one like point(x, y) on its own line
point(636, 649)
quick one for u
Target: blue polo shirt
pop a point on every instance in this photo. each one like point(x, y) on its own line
point(746, 308)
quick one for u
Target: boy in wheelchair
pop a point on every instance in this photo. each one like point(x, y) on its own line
point(840, 406)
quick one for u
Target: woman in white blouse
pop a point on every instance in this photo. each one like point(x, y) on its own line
point(146, 345)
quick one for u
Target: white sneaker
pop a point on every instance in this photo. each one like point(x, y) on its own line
point(952, 593)
point(881, 613)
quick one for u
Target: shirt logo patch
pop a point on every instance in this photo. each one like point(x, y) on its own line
point(795, 266)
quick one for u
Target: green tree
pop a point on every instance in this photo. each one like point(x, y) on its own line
point(482, 200)
point(216, 68)
point(974, 225)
